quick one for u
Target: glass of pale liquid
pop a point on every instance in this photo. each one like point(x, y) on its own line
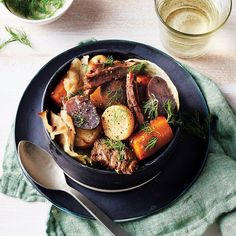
point(187, 26)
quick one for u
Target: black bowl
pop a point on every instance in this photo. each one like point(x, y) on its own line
point(93, 177)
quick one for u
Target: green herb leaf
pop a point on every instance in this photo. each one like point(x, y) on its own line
point(109, 61)
point(150, 108)
point(16, 35)
point(170, 108)
point(115, 96)
point(194, 125)
point(71, 94)
point(119, 146)
point(137, 68)
point(191, 124)
point(78, 119)
point(146, 128)
point(34, 9)
point(151, 143)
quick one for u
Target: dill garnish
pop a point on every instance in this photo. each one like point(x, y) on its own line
point(34, 9)
point(137, 68)
point(119, 146)
point(16, 35)
point(78, 119)
point(170, 108)
point(192, 124)
point(197, 126)
point(109, 61)
point(150, 108)
point(115, 96)
point(116, 117)
point(146, 128)
point(151, 143)
point(71, 94)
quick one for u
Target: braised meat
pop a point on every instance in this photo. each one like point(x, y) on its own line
point(131, 99)
point(110, 158)
point(102, 75)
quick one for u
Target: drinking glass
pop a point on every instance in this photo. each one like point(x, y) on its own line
point(187, 26)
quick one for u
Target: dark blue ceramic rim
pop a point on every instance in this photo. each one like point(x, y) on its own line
point(175, 198)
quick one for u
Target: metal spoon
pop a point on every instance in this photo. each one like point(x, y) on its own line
point(39, 165)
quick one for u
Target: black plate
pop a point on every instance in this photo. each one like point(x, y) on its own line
point(183, 168)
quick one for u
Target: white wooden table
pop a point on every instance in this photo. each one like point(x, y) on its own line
point(101, 19)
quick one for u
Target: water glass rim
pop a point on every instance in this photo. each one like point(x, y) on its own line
point(189, 34)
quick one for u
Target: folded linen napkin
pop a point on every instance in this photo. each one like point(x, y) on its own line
point(212, 197)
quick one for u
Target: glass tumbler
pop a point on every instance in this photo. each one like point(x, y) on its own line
point(187, 26)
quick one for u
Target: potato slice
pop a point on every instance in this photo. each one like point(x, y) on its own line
point(118, 122)
point(98, 59)
point(85, 138)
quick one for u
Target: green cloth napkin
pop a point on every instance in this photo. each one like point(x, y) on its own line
point(211, 198)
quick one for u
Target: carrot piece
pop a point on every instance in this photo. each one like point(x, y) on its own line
point(97, 98)
point(143, 79)
point(145, 143)
point(58, 93)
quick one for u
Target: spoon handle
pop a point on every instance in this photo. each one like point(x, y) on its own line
point(99, 215)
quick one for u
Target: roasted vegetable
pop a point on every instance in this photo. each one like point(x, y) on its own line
point(158, 90)
point(118, 122)
point(97, 99)
point(83, 112)
point(70, 85)
point(73, 81)
point(59, 93)
point(61, 125)
point(143, 79)
point(85, 138)
point(151, 138)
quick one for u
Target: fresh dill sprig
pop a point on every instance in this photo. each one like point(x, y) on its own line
point(151, 143)
point(137, 68)
point(34, 9)
point(118, 146)
point(192, 124)
point(109, 61)
point(197, 126)
point(16, 35)
point(146, 128)
point(150, 108)
point(71, 94)
point(118, 115)
point(78, 119)
point(170, 108)
point(115, 96)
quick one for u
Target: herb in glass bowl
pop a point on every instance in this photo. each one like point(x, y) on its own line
point(34, 9)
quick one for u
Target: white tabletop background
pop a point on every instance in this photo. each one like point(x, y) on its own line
point(101, 19)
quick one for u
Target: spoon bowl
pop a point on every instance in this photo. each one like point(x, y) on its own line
point(42, 168)
point(39, 166)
